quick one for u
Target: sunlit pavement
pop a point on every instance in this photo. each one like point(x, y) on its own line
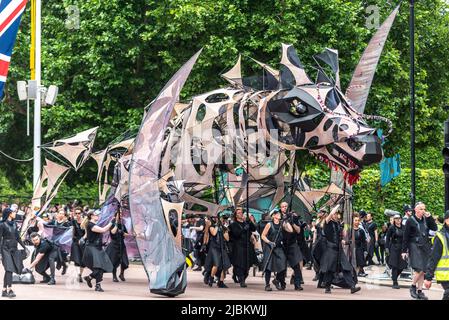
point(136, 287)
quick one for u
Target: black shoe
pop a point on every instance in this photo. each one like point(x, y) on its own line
point(413, 293)
point(64, 269)
point(277, 284)
point(52, 282)
point(396, 286)
point(234, 278)
point(355, 289)
point(98, 288)
point(422, 296)
point(197, 269)
point(206, 279)
point(80, 279)
point(299, 288)
point(221, 284)
point(121, 276)
point(45, 280)
point(320, 286)
point(88, 280)
point(210, 281)
point(328, 290)
point(302, 281)
point(4, 293)
point(268, 288)
point(11, 294)
point(315, 278)
point(114, 279)
point(243, 284)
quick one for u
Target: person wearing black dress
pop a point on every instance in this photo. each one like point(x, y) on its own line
point(319, 245)
point(217, 257)
point(416, 244)
point(94, 257)
point(274, 258)
point(77, 248)
point(11, 257)
point(116, 249)
point(373, 245)
point(393, 248)
point(360, 246)
point(334, 259)
point(242, 257)
point(290, 232)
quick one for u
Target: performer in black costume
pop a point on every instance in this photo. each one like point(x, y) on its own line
point(94, 257)
point(334, 259)
point(217, 257)
point(45, 256)
point(116, 249)
point(274, 259)
point(319, 245)
point(393, 248)
point(11, 257)
point(291, 229)
point(373, 246)
point(243, 255)
point(416, 244)
point(60, 226)
point(77, 248)
point(360, 246)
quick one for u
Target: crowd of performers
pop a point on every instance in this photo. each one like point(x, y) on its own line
point(87, 245)
point(279, 241)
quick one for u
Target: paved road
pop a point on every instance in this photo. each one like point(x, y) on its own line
point(136, 287)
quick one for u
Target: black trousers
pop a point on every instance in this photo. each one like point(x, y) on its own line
point(52, 266)
point(395, 273)
point(329, 276)
point(97, 274)
point(7, 279)
point(240, 273)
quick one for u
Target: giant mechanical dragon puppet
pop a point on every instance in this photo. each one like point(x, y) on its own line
point(243, 137)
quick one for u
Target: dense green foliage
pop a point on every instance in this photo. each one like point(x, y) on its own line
point(125, 50)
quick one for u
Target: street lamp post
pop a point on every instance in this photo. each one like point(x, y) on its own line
point(412, 103)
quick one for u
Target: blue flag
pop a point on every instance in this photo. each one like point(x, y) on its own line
point(389, 169)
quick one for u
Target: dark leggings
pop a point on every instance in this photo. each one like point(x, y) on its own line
point(97, 274)
point(297, 274)
point(114, 271)
point(329, 277)
point(280, 276)
point(395, 273)
point(445, 286)
point(7, 279)
point(382, 253)
point(240, 273)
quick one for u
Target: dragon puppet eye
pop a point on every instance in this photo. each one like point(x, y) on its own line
point(355, 145)
point(297, 108)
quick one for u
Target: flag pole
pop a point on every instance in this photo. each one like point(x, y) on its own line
point(37, 102)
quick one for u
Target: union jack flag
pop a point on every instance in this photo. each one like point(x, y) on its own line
point(10, 14)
